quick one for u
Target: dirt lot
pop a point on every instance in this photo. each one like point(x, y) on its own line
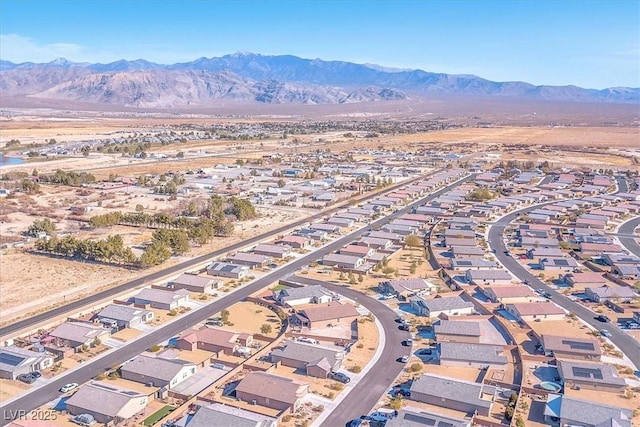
point(248, 317)
point(60, 280)
point(9, 389)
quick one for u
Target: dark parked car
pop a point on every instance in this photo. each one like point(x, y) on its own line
point(36, 374)
point(26, 378)
point(401, 392)
point(404, 327)
point(602, 318)
point(340, 377)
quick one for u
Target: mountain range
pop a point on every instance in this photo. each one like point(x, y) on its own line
point(248, 77)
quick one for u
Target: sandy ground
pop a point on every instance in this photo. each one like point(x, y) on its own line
point(248, 317)
point(55, 279)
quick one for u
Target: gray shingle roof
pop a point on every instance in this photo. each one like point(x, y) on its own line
point(457, 327)
point(416, 417)
point(478, 353)
point(218, 414)
point(588, 413)
point(121, 312)
point(453, 389)
point(308, 353)
point(155, 367)
point(447, 303)
point(597, 373)
point(102, 398)
point(303, 292)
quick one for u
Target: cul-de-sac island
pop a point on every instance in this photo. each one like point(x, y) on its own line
point(264, 241)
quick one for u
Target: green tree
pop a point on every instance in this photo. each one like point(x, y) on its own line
point(266, 328)
point(156, 253)
point(412, 241)
point(242, 209)
point(44, 225)
point(224, 316)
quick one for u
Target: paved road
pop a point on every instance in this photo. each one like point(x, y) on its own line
point(626, 343)
point(383, 373)
point(44, 394)
point(627, 236)
point(7, 330)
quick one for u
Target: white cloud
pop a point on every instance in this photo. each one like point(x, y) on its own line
point(17, 48)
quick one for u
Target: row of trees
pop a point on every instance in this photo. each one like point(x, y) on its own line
point(111, 249)
point(68, 178)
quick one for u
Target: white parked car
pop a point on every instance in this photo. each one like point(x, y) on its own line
point(68, 387)
point(308, 340)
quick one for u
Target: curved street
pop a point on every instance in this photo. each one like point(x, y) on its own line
point(37, 397)
point(629, 346)
point(386, 369)
point(627, 236)
point(33, 321)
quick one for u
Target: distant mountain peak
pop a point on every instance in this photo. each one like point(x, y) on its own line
point(249, 77)
point(62, 62)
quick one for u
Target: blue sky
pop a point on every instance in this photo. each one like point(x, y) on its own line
point(592, 44)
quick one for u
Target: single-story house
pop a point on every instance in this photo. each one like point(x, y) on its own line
point(619, 258)
point(106, 403)
point(375, 243)
point(358, 251)
point(460, 234)
point(251, 260)
point(571, 347)
point(315, 294)
point(213, 340)
point(318, 235)
point(225, 269)
point(467, 252)
point(472, 264)
point(599, 248)
point(590, 279)
point(457, 331)
point(297, 242)
point(528, 311)
point(570, 411)
point(125, 316)
point(441, 306)
point(341, 222)
point(558, 264)
point(593, 376)
point(471, 354)
point(509, 294)
point(327, 228)
point(77, 334)
point(403, 230)
point(272, 391)
point(16, 361)
point(544, 253)
point(394, 237)
point(162, 299)
point(345, 262)
point(274, 251)
point(452, 242)
point(451, 393)
point(404, 288)
point(313, 360)
point(536, 242)
point(410, 416)
point(627, 271)
point(194, 283)
point(611, 293)
point(219, 414)
point(157, 371)
point(483, 277)
point(326, 314)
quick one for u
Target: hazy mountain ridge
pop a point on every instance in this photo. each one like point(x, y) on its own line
point(248, 77)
